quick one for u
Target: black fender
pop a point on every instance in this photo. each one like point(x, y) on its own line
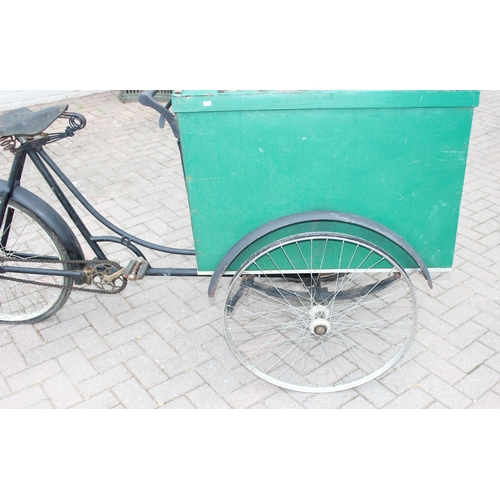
point(52, 219)
point(318, 216)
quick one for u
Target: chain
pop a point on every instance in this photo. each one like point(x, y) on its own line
point(94, 276)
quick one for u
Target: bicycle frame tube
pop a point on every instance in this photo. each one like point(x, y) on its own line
point(16, 173)
point(41, 272)
point(126, 237)
point(43, 163)
point(14, 179)
point(35, 158)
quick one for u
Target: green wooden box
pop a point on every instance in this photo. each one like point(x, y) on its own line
point(395, 157)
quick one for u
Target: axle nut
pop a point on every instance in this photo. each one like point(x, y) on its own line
point(320, 327)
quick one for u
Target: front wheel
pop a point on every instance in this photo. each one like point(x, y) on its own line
point(26, 241)
point(320, 312)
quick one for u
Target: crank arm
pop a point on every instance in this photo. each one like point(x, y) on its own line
point(112, 277)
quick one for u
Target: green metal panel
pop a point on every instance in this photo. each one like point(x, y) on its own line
point(396, 157)
point(251, 100)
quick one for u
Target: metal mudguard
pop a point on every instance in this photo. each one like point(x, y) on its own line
point(46, 213)
point(319, 216)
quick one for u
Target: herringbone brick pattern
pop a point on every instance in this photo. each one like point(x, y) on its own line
point(160, 343)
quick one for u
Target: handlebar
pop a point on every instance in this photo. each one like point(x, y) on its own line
point(147, 99)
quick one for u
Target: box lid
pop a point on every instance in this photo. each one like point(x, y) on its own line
point(192, 101)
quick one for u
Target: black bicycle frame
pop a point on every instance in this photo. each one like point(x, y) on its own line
point(45, 165)
point(16, 173)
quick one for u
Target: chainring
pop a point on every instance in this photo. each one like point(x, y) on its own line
point(95, 272)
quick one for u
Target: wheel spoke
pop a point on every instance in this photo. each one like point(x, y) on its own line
point(270, 257)
point(289, 328)
point(25, 240)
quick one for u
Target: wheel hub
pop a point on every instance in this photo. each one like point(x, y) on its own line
point(320, 325)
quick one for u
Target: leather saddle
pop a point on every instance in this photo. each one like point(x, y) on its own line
point(24, 122)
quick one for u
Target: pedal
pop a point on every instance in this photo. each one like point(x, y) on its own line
point(136, 270)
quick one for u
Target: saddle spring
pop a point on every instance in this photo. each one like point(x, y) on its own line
point(17, 144)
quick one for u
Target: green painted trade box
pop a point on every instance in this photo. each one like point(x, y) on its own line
point(395, 157)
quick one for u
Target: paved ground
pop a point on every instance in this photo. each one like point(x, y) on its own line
point(159, 344)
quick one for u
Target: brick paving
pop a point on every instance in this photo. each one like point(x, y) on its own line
point(160, 343)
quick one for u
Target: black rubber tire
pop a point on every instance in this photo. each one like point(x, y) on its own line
point(28, 234)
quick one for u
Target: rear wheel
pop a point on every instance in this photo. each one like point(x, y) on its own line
point(24, 240)
point(320, 312)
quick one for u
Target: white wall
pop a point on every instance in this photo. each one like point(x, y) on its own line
point(11, 99)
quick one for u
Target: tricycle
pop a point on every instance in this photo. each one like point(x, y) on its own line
point(314, 206)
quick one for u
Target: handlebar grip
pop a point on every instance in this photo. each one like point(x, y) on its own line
point(147, 99)
point(147, 95)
